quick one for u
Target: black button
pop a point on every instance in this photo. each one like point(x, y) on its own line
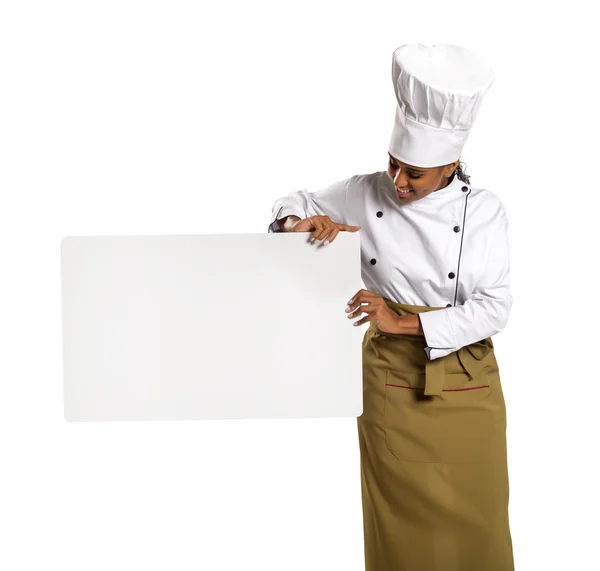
point(465, 188)
point(457, 228)
point(448, 305)
point(373, 261)
point(379, 214)
point(451, 275)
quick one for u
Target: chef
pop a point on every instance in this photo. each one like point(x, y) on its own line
point(435, 262)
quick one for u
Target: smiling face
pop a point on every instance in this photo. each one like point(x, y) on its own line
point(417, 181)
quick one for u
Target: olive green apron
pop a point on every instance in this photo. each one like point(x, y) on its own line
point(433, 457)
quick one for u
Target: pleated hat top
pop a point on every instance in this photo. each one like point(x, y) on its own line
point(439, 90)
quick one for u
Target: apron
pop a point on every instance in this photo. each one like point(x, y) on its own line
point(433, 457)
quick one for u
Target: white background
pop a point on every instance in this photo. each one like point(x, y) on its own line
point(156, 117)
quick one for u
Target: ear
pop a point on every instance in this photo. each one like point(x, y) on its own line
point(449, 169)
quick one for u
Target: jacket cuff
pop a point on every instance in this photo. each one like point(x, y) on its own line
point(438, 332)
point(434, 353)
point(282, 213)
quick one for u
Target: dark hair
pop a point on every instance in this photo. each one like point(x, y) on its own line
point(461, 174)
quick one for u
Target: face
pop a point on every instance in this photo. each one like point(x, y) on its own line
point(419, 182)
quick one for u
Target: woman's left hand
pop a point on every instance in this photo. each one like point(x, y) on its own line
point(376, 310)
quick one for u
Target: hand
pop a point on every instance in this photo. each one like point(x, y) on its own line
point(323, 227)
point(376, 309)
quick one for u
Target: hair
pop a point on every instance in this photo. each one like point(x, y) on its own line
point(461, 174)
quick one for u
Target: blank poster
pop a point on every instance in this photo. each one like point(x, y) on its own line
point(210, 327)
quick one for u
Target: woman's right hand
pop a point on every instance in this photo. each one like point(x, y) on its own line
point(323, 228)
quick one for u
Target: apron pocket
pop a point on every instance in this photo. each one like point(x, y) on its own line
point(465, 424)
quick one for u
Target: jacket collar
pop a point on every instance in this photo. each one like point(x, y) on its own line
point(452, 191)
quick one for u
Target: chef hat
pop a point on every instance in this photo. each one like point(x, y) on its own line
point(439, 90)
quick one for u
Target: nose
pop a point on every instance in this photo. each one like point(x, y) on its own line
point(400, 179)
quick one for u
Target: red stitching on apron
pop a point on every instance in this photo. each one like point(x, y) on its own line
point(469, 389)
point(444, 390)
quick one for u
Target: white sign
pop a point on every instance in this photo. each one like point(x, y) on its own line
point(210, 327)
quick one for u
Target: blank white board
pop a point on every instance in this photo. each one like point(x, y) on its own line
point(210, 327)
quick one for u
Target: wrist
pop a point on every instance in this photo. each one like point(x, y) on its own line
point(409, 325)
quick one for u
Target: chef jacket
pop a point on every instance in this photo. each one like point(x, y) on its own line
point(449, 249)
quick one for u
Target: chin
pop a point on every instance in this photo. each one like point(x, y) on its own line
point(411, 197)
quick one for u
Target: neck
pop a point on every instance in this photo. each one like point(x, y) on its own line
point(446, 181)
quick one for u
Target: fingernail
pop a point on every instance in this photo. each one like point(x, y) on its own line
point(326, 242)
point(356, 323)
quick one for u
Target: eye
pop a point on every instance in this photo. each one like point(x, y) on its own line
point(410, 175)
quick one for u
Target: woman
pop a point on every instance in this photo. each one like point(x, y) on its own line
point(435, 262)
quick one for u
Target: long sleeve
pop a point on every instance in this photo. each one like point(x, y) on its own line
point(487, 309)
point(330, 201)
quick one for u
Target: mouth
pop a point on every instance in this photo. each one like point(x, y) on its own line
point(403, 193)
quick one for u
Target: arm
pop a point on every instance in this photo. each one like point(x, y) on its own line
point(410, 325)
point(487, 309)
point(329, 201)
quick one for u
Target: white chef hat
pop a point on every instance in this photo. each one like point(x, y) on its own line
point(439, 90)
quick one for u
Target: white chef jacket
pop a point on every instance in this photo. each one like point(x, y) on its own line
point(449, 249)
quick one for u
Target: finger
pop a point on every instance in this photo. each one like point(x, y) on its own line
point(324, 229)
point(365, 319)
point(330, 229)
point(356, 303)
point(369, 294)
point(359, 292)
point(318, 232)
point(362, 309)
point(360, 295)
point(332, 236)
point(346, 228)
point(353, 299)
point(364, 294)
